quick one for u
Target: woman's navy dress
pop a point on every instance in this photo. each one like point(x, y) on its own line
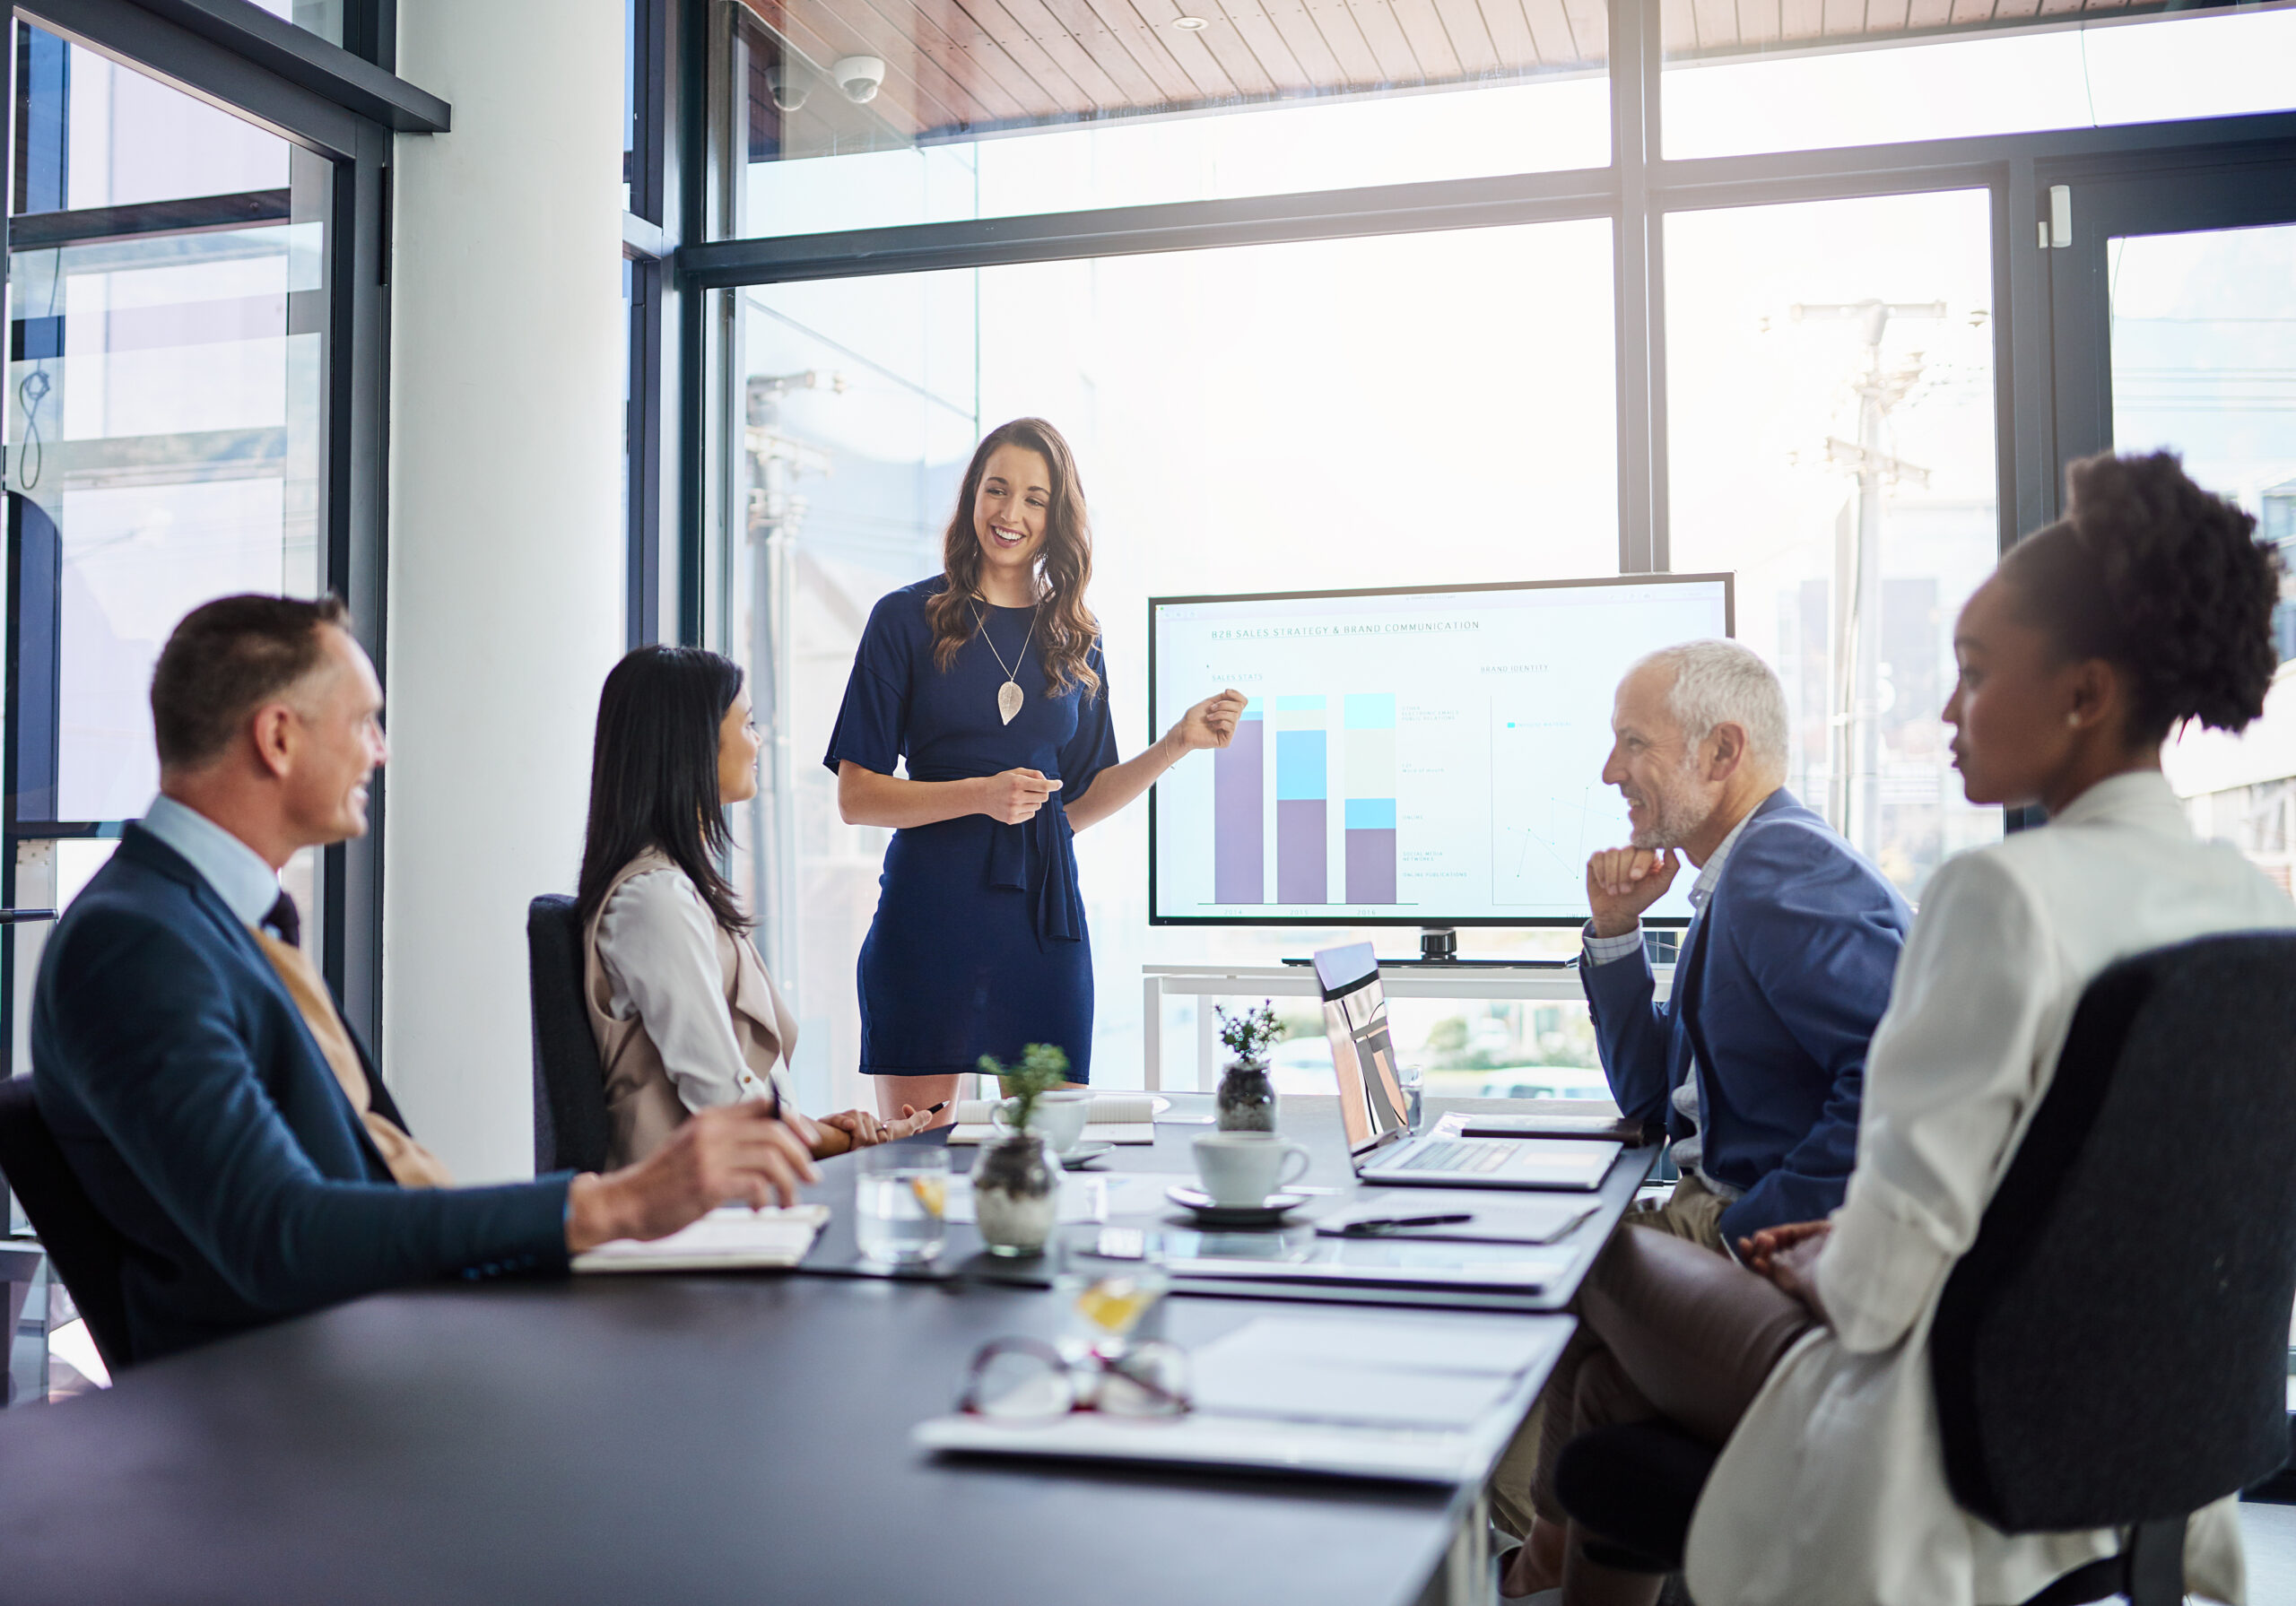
point(978, 946)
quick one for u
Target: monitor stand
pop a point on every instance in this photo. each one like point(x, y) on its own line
point(1439, 945)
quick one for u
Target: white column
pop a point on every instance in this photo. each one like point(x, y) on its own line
point(506, 546)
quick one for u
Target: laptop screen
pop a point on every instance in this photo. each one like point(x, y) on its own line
point(1355, 1018)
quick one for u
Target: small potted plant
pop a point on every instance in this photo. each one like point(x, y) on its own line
point(1015, 1189)
point(1247, 1101)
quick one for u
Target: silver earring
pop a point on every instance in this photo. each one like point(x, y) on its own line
point(2073, 722)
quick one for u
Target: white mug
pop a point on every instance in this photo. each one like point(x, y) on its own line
point(1244, 1168)
point(1059, 1117)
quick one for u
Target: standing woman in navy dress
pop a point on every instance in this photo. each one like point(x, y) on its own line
point(987, 679)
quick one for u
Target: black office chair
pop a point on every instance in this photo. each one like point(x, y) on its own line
point(83, 1249)
point(572, 1131)
point(2112, 1350)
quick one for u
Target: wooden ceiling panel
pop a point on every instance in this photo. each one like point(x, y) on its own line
point(821, 34)
point(1126, 26)
point(1590, 28)
point(1334, 24)
point(1131, 81)
point(956, 66)
point(1551, 31)
point(1273, 50)
point(1431, 44)
point(1758, 21)
point(1383, 36)
point(1510, 34)
point(1320, 62)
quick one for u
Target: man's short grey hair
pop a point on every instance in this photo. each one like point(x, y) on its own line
point(1721, 682)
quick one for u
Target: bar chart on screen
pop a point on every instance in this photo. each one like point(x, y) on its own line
point(1412, 757)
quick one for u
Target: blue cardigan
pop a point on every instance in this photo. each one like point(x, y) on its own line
point(1782, 979)
point(198, 1112)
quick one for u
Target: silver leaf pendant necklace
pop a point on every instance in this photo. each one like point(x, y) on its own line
point(1009, 695)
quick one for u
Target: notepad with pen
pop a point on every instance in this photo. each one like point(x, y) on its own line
point(1113, 1118)
point(1464, 1217)
point(731, 1239)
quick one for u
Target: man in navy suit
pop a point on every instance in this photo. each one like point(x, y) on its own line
point(1754, 1065)
point(228, 1128)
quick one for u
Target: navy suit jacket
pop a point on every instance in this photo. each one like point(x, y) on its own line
point(198, 1112)
point(1781, 981)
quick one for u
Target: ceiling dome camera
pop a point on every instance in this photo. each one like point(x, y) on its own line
point(789, 84)
point(858, 77)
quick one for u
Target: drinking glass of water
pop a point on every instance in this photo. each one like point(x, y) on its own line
point(1412, 1080)
point(900, 1204)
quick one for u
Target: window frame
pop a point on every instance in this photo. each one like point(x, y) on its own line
point(341, 105)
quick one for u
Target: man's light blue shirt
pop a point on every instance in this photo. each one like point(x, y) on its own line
point(236, 872)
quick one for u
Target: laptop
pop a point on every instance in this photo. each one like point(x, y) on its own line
point(1371, 1104)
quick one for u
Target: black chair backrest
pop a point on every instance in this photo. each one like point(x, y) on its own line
point(82, 1248)
point(2112, 1350)
point(571, 1132)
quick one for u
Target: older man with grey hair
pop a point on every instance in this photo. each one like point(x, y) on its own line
point(1754, 1065)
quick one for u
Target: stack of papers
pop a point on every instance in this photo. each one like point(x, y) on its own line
point(1416, 1399)
point(735, 1237)
point(1113, 1119)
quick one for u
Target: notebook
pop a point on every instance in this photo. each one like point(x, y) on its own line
point(1113, 1119)
point(732, 1238)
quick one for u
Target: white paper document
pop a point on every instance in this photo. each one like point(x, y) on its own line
point(1391, 1396)
point(733, 1237)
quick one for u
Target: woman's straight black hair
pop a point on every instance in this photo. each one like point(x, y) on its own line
point(654, 774)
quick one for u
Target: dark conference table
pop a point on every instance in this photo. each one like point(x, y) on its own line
point(677, 1438)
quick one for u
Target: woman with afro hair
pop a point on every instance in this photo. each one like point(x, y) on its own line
point(1806, 1361)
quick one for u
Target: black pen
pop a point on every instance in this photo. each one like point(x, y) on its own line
point(1358, 1230)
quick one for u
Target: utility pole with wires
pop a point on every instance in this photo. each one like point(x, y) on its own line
point(775, 514)
point(1853, 724)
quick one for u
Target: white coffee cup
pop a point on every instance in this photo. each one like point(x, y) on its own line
point(1059, 1117)
point(1244, 1168)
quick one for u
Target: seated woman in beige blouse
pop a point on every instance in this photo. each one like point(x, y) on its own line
point(2149, 605)
point(684, 1012)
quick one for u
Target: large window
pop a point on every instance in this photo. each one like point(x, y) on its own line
point(1640, 288)
point(1831, 440)
point(1257, 418)
point(166, 426)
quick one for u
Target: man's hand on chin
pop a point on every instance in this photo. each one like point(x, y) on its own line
point(737, 1154)
point(1624, 881)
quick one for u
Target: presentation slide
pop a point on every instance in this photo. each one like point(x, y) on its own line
point(1425, 757)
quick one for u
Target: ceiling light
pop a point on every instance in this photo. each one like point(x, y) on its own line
point(1192, 24)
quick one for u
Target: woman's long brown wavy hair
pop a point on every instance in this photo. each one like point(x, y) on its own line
point(1066, 628)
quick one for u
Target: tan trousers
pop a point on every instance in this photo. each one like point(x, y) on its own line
point(1691, 1212)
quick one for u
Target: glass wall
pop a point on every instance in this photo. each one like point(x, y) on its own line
point(1245, 419)
point(167, 290)
point(1424, 407)
point(1830, 438)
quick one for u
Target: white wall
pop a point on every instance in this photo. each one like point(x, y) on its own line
point(505, 541)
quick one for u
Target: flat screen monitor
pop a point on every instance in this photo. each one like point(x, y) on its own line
point(1415, 756)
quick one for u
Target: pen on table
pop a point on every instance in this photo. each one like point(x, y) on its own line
point(1391, 1223)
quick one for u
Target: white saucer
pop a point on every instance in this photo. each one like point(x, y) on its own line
point(1084, 1154)
point(1269, 1212)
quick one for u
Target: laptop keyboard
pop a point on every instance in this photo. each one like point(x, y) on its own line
point(1447, 1156)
